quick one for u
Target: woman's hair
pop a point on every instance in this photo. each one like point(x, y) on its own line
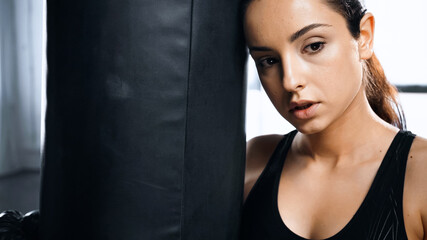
point(382, 96)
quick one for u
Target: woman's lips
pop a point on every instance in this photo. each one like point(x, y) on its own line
point(303, 110)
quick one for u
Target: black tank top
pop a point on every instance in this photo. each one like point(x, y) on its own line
point(379, 217)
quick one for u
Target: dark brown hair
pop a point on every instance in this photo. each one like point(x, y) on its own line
point(382, 96)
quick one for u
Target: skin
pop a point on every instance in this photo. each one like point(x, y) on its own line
point(339, 148)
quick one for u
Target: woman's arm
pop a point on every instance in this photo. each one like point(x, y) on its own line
point(415, 192)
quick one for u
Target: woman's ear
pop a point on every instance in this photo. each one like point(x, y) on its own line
point(366, 39)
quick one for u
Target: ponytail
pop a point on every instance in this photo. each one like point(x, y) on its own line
point(382, 96)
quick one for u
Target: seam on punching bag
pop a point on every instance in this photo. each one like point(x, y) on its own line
point(186, 119)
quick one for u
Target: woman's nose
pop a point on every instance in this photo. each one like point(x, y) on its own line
point(292, 77)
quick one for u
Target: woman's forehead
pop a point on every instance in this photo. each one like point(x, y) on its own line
point(270, 18)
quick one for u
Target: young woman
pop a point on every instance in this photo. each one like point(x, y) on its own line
point(347, 171)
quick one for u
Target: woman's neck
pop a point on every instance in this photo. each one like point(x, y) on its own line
point(358, 131)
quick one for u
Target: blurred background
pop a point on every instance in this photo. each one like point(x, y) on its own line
point(399, 45)
point(21, 101)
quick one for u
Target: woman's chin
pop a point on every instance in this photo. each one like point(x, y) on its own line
point(308, 128)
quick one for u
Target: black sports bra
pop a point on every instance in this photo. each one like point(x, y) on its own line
point(379, 217)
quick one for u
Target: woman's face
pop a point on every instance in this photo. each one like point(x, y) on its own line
point(307, 60)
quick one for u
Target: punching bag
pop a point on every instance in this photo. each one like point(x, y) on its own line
point(145, 120)
point(144, 123)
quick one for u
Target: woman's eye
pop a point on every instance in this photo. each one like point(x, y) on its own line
point(267, 62)
point(314, 47)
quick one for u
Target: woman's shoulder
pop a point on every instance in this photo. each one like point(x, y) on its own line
point(416, 183)
point(263, 146)
point(260, 146)
point(419, 146)
point(417, 161)
point(417, 164)
point(258, 152)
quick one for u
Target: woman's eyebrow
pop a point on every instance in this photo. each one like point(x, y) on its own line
point(293, 37)
point(255, 48)
point(306, 29)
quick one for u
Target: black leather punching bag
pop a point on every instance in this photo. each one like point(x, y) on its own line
point(144, 126)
